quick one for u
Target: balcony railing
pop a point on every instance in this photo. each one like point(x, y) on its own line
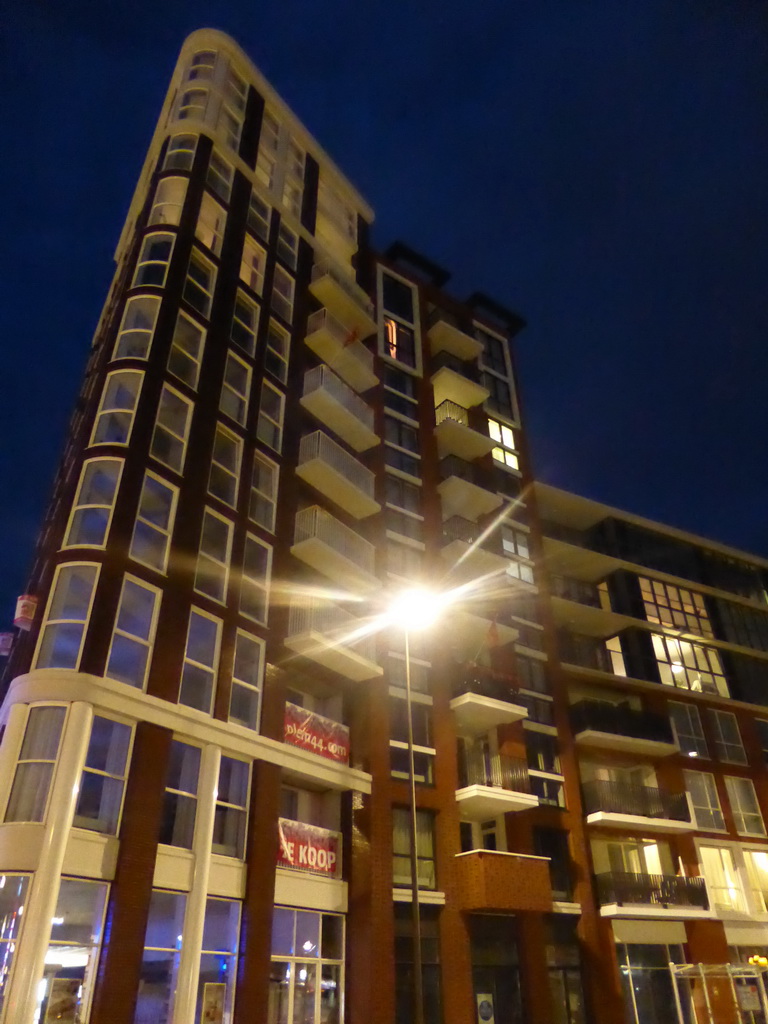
point(311, 731)
point(651, 890)
point(315, 523)
point(585, 651)
point(337, 626)
point(620, 720)
point(323, 320)
point(319, 446)
point(575, 590)
point(627, 798)
point(464, 530)
point(476, 768)
point(451, 362)
point(322, 378)
point(485, 683)
point(452, 465)
point(346, 283)
point(449, 410)
point(305, 847)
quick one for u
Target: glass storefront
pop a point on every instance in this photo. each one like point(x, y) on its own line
point(647, 983)
point(307, 977)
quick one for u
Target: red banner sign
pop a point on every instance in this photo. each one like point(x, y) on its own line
point(314, 732)
point(308, 848)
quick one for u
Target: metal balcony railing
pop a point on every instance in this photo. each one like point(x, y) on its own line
point(585, 651)
point(620, 720)
point(575, 590)
point(315, 523)
point(452, 465)
point(485, 683)
point(628, 798)
point(323, 320)
point(346, 283)
point(460, 366)
point(449, 410)
point(568, 534)
point(651, 890)
point(320, 446)
point(336, 626)
point(321, 377)
point(459, 528)
point(478, 768)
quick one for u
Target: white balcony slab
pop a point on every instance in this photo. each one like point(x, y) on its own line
point(333, 655)
point(454, 438)
point(638, 822)
point(630, 744)
point(463, 498)
point(337, 487)
point(444, 337)
point(479, 803)
point(451, 386)
point(476, 714)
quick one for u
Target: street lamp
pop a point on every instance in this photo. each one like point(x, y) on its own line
point(414, 610)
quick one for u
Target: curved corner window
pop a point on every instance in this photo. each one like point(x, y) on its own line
point(169, 201)
point(155, 255)
point(134, 633)
point(117, 408)
point(94, 503)
point(192, 103)
point(34, 768)
point(180, 154)
point(138, 325)
point(202, 66)
point(69, 606)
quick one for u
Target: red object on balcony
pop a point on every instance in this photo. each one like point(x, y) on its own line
point(314, 732)
point(308, 848)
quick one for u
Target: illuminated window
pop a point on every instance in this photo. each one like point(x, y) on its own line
point(269, 428)
point(212, 573)
point(269, 139)
point(225, 466)
point(219, 177)
point(728, 745)
point(744, 806)
point(201, 660)
point(180, 154)
point(69, 606)
point(202, 65)
point(252, 266)
point(704, 800)
point(155, 255)
point(688, 729)
point(137, 327)
point(186, 350)
point(117, 408)
point(169, 440)
point(192, 103)
point(282, 294)
point(757, 872)
point(235, 389)
point(258, 217)
point(689, 666)
point(425, 848)
point(169, 201)
point(278, 347)
point(154, 523)
point(399, 342)
point(262, 506)
point(134, 633)
point(245, 323)
point(94, 503)
point(505, 451)
point(672, 606)
point(723, 883)
point(198, 288)
point(210, 224)
point(254, 581)
point(247, 673)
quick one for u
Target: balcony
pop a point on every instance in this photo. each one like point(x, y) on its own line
point(492, 785)
point(444, 336)
point(472, 627)
point(332, 638)
point(454, 434)
point(316, 733)
point(334, 550)
point(575, 590)
point(624, 894)
point(461, 494)
point(456, 381)
point(330, 469)
point(343, 298)
point(337, 406)
point(483, 700)
point(341, 348)
point(466, 548)
point(620, 727)
point(625, 805)
point(584, 609)
point(309, 848)
point(491, 881)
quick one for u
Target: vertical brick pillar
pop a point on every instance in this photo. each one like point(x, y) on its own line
point(600, 970)
point(252, 992)
point(117, 980)
point(534, 975)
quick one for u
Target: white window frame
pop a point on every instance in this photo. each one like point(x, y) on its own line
point(276, 360)
point(167, 533)
point(161, 428)
point(213, 669)
point(78, 506)
point(143, 260)
point(236, 473)
point(727, 750)
point(127, 334)
point(180, 144)
point(241, 398)
point(505, 452)
point(261, 585)
point(85, 770)
point(253, 264)
point(219, 176)
point(257, 495)
point(257, 687)
point(275, 427)
point(694, 733)
point(18, 760)
point(193, 102)
point(713, 805)
point(193, 286)
point(732, 785)
point(221, 571)
point(130, 411)
point(149, 643)
point(195, 360)
point(241, 327)
point(211, 223)
point(47, 621)
point(168, 201)
point(414, 326)
point(259, 217)
point(283, 293)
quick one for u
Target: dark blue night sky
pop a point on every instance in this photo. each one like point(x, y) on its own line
point(599, 166)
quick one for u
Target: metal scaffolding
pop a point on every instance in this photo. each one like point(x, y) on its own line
point(701, 997)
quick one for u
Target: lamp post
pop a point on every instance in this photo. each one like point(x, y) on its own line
point(414, 610)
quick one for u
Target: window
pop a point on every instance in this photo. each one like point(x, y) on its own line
point(213, 556)
point(202, 66)
point(180, 154)
point(235, 389)
point(235, 91)
point(231, 116)
point(154, 523)
point(94, 503)
point(73, 951)
point(402, 494)
point(646, 981)
point(34, 769)
point(162, 951)
point(288, 245)
point(155, 255)
point(218, 957)
point(282, 294)
point(180, 803)
point(225, 466)
point(505, 451)
point(553, 843)
point(254, 586)
point(258, 217)
point(500, 399)
point(399, 433)
point(210, 224)
point(307, 963)
point(689, 666)
point(399, 460)
point(542, 752)
point(424, 752)
point(117, 408)
point(514, 542)
point(401, 849)
point(532, 674)
point(169, 440)
point(245, 323)
point(100, 796)
point(219, 177)
point(728, 745)
point(252, 265)
point(269, 428)
point(757, 871)
point(231, 808)
point(293, 187)
point(723, 882)
point(675, 607)
point(134, 633)
point(688, 729)
point(762, 732)
point(13, 899)
point(403, 560)
point(405, 525)
point(262, 506)
point(69, 606)
point(192, 103)
point(278, 345)
point(398, 298)
point(201, 660)
point(744, 806)
point(138, 325)
point(268, 145)
point(399, 342)
point(706, 804)
point(549, 791)
point(247, 672)
point(168, 202)
point(400, 392)
point(186, 351)
point(198, 288)
point(430, 965)
point(493, 357)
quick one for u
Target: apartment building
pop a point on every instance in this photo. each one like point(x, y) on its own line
point(206, 755)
